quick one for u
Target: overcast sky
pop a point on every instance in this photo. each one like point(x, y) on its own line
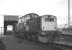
point(59, 8)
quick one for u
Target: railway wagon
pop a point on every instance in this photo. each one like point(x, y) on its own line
point(37, 28)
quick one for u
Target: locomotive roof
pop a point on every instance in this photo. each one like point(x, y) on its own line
point(30, 14)
point(49, 15)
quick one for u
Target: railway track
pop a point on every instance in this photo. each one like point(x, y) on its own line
point(60, 46)
point(53, 45)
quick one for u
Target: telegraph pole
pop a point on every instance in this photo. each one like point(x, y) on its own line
point(68, 13)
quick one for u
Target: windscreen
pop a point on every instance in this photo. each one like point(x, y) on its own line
point(49, 19)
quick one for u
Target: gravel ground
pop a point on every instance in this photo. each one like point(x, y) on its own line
point(12, 44)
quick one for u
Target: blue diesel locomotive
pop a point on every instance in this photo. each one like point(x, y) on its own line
point(37, 28)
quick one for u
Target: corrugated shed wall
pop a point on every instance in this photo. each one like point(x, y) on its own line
point(11, 18)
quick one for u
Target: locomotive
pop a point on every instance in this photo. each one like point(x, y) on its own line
point(37, 28)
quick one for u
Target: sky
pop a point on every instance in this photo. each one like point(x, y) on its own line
point(59, 8)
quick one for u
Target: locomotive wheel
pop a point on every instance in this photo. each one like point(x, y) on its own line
point(17, 35)
point(30, 37)
point(21, 35)
point(33, 37)
point(26, 36)
point(36, 37)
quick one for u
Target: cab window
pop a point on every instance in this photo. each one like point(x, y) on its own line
point(49, 19)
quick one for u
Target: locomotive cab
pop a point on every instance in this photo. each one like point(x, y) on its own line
point(48, 28)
